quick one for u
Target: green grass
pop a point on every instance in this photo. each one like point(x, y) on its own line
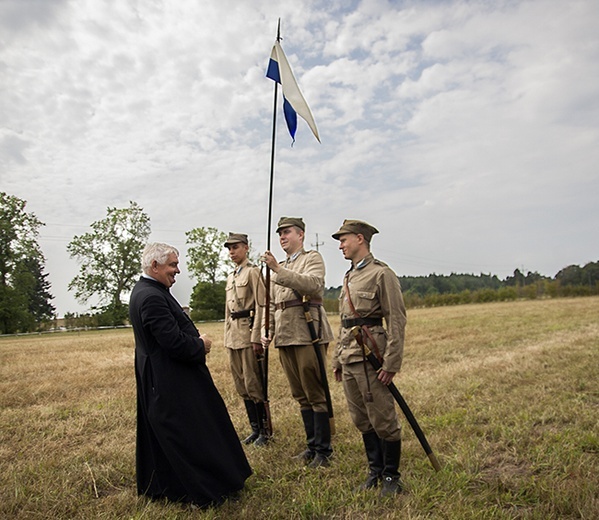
point(507, 394)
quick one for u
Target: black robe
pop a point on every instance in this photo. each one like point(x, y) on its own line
point(187, 447)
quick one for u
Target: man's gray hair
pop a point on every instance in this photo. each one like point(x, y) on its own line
point(300, 230)
point(156, 251)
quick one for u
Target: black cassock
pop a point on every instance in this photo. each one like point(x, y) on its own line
point(187, 447)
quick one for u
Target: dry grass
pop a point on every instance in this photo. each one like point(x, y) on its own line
point(508, 395)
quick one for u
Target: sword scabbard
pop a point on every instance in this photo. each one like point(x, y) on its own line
point(357, 333)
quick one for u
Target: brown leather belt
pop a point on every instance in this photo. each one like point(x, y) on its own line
point(296, 303)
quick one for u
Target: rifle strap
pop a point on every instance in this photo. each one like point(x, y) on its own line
point(365, 328)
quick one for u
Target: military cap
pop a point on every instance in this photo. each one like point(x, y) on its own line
point(291, 221)
point(356, 227)
point(236, 238)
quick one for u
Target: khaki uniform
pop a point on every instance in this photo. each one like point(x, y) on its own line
point(375, 293)
point(303, 272)
point(245, 290)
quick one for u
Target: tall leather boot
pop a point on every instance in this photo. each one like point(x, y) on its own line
point(263, 436)
point(374, 453)
point(308, 418)
point(250, 407)
point(322, 440)
point(391, 481)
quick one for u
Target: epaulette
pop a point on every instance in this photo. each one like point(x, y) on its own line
point(379, 262)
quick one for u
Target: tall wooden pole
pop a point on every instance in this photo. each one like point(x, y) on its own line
point(268, 232)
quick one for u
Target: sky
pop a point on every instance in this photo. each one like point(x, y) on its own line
point(467, 132)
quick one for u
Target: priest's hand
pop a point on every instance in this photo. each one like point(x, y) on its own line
point(207, 342)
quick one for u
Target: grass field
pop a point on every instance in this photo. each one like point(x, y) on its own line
point(508, 395)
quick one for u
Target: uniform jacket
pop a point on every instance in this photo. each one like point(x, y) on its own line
point(305, 274)
point(245, 290)
point(376, 293)
point(187, 448)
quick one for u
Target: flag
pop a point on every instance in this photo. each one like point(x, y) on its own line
point(294, 102)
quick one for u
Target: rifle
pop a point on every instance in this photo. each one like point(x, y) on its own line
point(376, 364)
point(263, 364)
point(319, 357)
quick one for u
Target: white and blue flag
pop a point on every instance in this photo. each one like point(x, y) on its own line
point(294, 102)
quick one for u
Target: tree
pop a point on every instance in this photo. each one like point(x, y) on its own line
point(110, 258)
point(24, 290)
point(517, 280)
point(590, 274)
point(209, 264)
point(208, 301)
point(207, 259)
point(36, 289)
point(18, 235)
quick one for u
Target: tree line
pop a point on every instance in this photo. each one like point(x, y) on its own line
point(436, 290)
point(109, 258)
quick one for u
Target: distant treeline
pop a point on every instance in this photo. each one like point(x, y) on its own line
point(419, 291)
point(454, 289)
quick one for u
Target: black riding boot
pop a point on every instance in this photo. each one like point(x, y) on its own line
point(263, 435)
point(374, 454)
point(308, 418)
point(322, 440)
point(250, 406)
point(391, 482)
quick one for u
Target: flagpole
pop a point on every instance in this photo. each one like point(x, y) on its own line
point(272, 153)
point(268, 418)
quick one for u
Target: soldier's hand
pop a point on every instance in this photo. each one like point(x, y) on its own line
point(265, 341)
point(207, 342)
point(270, 261)
point(258, 349)
point(386, 377)
point(338, 376)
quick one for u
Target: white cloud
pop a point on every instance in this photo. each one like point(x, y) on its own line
point(465, 131)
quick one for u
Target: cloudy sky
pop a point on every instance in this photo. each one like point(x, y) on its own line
point(466, 131)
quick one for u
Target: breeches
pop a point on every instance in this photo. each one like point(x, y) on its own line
point(379, 415)
point(246, 374)
point(300, 365)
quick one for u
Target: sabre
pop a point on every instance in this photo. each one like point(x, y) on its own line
point(376, 364)
point(321, 362)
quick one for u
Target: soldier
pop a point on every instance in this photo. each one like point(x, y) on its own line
point(301, 274)
point(371, 293)
point(244, 308)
